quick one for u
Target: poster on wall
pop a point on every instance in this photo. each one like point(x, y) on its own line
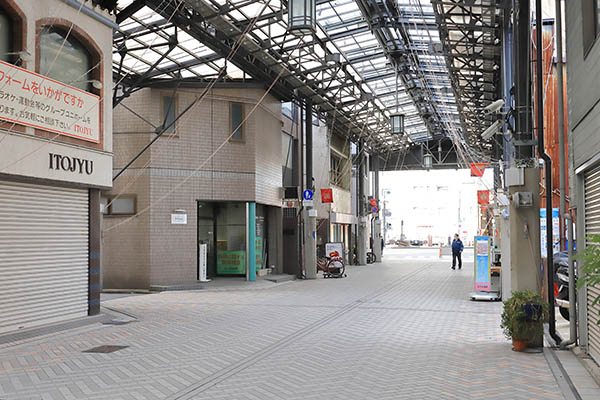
point(231, 262)
point(555, 231)
point(483, 278)
point(27, 98)
point(259, 252)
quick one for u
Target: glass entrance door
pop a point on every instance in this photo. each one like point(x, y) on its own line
point(206, 237)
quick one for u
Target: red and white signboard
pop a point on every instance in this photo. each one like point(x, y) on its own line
point(477, 169)
point(483, 197)
point(326, 195)
point(27, 98)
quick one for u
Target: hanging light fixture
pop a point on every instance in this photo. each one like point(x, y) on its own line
point(302, 17)
point(397, 122)
point(427, 161)
point(397, 119)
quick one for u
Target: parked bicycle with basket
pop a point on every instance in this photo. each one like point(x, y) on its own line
point(332, 265)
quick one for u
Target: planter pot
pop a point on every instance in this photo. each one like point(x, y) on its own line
point(519, 345)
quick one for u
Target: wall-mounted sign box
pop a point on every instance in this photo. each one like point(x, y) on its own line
point(179, 219)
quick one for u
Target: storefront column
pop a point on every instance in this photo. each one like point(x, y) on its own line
point(251, 242)
point(94, 286)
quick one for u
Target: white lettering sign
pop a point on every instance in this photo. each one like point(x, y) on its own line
point(179, 219)
point(27, 98)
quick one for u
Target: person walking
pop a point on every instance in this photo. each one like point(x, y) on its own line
point(457, 249)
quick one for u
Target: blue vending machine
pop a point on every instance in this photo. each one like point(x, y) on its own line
point(485, 289)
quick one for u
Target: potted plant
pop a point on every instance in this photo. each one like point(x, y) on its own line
point(523, 318)
point(588, 264)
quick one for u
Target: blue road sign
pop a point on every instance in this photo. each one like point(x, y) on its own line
point(307, 194)
point(374, 209)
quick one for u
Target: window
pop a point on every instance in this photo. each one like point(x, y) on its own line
point(287, 158)
point(338, 171)
point(6, 37)
point(590, 20)
point(118, 205)
point(67, 61)
point(289, 110)
point(169, 110)
point(237, 117)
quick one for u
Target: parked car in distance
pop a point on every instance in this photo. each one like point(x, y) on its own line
point(416, 242)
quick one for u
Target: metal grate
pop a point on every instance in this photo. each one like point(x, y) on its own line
point(105, 348)
point(290, 212)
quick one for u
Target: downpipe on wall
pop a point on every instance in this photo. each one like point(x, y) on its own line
point(547, 170)
point(572, 291)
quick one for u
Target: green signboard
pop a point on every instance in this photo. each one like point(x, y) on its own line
point(259, 252)
point(231, 262)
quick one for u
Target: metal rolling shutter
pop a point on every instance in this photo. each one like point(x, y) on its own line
point(43, 254)
point(592, 226)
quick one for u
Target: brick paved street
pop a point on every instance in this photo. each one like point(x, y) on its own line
point(400, 329)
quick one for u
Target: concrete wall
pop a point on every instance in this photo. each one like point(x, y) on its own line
point(583, 94)
point(198, 162)
point(321, 168)
point(583, 90)
point(524, 243)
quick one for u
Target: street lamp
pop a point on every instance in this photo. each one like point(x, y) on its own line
point(397, 123)
point(302, 17)
point(427, 161)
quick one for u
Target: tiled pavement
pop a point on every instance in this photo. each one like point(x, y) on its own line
point(394, 330)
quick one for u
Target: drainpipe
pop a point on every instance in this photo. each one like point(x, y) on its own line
point(563, 171)
point(561, 121)
point(572, 292)
point(547, 169)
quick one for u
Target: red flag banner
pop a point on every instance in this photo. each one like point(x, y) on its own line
point(326, 195)
point(483, 197)
point(477, 169)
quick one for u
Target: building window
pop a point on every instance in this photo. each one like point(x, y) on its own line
point(237, 117)
point(287, 158)
point(590, 20)
point(289, 110)
point(339, 173)
point(118, 205)
point(6, 37)
point(67, 61)
point(169, 111)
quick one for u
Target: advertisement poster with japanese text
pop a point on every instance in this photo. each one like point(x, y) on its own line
point(555, 231)
point(482, 263)
point(27, 98)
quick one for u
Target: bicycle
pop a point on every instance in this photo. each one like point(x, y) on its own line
point(371, 258)
point(332, 266)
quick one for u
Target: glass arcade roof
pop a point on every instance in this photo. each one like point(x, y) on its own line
point(391, 59)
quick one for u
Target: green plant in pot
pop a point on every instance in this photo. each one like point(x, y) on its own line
point(523, 318)
point(588, 263)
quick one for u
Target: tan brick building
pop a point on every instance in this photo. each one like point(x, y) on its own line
point(192, 186)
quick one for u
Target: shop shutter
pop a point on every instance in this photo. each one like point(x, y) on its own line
point(43, 254)
point(592, 226)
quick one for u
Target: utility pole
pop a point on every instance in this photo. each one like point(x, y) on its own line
point(310, 214)
point(362, 218)
point(384, 220)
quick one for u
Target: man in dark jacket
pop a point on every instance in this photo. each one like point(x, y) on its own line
point(457, 249)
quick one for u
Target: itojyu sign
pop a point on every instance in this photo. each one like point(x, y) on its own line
point(27, 98)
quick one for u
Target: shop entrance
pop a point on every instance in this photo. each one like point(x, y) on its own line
point(222, 228)
point(206, 237)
